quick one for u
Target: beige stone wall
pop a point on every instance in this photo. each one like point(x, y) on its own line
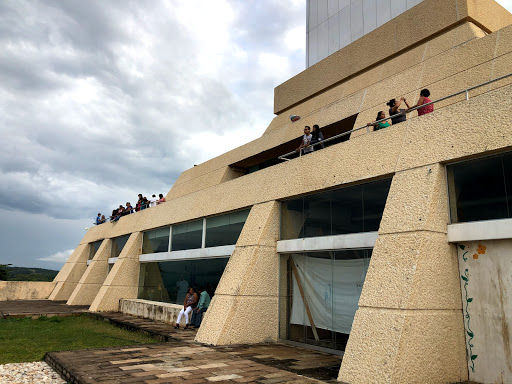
point(245, 306)
point(93, 278)
point(25, 290)
point(123, 280)
point(409, 29)
point(409, 326)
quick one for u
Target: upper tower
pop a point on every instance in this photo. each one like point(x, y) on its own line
point(334, 24)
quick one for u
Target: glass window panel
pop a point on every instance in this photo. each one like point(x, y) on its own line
point(292, 219)
point(507, 170)
point(169, 281)
point(187, 235)
point(347, 210)
point(94, 248)
point(225, 229)
point(156, 240)
point(317, 215)
point(479, 189)
point(118, 244)
point(374, 200)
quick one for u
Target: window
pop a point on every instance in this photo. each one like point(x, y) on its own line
point(156, 240)
point(225, 229)
point(118, 244)
point(169, 281)
point(481, 189)
point(323, 287)
point(187, 235)
point(352, 209)
point(94, 248)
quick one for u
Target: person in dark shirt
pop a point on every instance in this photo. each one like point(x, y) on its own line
point(317, 137)
point(394, 108)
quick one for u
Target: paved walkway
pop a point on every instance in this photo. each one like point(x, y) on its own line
point(181, 360)
point(36, 308)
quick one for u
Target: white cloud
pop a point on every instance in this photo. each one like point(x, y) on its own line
point(59, 257)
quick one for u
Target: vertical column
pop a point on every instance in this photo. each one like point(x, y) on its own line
point(123, 280)
point(71, 273)
point(245, 306)
point(94, 276)
point(409, 326)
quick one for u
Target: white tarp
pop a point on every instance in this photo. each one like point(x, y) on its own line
point(332, 289)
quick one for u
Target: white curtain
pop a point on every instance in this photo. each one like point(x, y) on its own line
point(332, 289)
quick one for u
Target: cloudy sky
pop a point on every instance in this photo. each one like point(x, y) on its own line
point(102, 100)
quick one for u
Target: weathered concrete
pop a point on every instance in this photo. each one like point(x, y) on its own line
point(25, 290)
point(154, 310)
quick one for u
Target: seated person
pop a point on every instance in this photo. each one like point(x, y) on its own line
point(128, 209)
point(202, 306)
point(394, 108)
point(152, 201)
point(103, 219)
point(145, 203)
point(383, 124)
point(98, 219)
point(188, 306)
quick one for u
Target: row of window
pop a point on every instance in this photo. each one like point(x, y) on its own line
point(479, 189)
point(220, 230)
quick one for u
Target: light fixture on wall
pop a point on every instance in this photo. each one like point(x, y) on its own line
point(294, 118)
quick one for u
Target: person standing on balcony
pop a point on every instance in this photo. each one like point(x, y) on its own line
point(424, 94)
point(317, 137)
point(394, 108)
point(306, 141)
point(383, 124)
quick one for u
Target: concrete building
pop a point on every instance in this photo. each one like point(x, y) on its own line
point(393, 246)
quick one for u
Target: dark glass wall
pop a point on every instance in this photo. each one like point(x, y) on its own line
point(225, 229)
point(169, 281)
point(187, 235)
point(329, 285)
point(481, 189)
point(118, 244)
point(156, 240)
point(94, 248)
point(352, 209)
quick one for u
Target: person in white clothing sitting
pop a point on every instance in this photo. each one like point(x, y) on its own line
point(189, 304)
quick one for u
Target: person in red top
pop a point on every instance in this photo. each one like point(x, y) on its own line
point(161, 199)
point(424, 94)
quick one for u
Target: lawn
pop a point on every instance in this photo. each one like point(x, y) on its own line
point(27, 339)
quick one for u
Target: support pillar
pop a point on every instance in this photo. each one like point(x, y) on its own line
point(123, 280)
point(409, 326)
point(245, 306)
point(71, 273)
point(94, 276)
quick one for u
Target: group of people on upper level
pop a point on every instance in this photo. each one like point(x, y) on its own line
point(398, 114)
point(142, 203)
point(310, 138)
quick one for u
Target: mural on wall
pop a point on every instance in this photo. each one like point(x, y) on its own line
point(485, 270)
point(465, 278)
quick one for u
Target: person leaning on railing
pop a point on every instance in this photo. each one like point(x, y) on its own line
point(318, 137)
point(424, 94)
point(305, 145)
point(383, 124)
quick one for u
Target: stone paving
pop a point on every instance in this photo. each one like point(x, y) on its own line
point(181, 360)
point(30, 373)
point(36, 308)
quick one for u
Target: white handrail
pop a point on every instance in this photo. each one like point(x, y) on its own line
point(367, 126)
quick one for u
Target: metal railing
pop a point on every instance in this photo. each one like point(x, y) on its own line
point(367, 126)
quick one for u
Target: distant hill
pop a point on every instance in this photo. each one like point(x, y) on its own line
point(30, 274)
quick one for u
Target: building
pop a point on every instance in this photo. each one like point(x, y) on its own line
point(392, 246)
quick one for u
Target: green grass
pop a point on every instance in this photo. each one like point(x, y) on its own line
point(26, 339)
